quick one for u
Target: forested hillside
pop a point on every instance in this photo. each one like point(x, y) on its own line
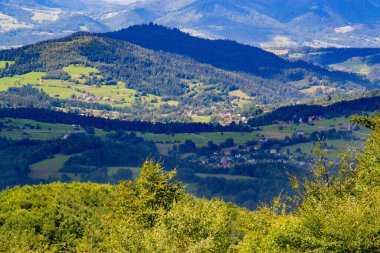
point(157, 73)
point(111, 75)
point(336, 210)
point(226, 54)
point(172, 77)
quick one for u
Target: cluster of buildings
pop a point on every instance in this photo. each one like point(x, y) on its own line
point(228, 117)
point(228, 158)
point(91, 98)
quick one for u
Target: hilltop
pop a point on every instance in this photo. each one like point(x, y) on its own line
point(178, 77)
point(90, 69)
point(226, 54)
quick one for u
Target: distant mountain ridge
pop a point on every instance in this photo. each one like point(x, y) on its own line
point(269, 24)
point(223, 54)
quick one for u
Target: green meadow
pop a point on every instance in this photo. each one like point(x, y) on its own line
point(201, 138)
point(333, 148)
point(80, 70)
point(21, 129)
point(224, 176)
point(32, 78)
point(113, 170)
point(3, 64)
point(49, 167)
point(66, 89)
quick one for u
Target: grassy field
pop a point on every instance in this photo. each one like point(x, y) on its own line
point(113, 170)
point(335, 145)
point(80, 70)
point(334, 122)
point(333, 148)
point(202, 119)
point(65, 89)
point(239, 94)
point(202, 138)
point(314, 89)
point(224, 176)
point(44, 126)
point(48, 168)
point(3, 64)
point(33, 135)
point(21, 129)
point(269, 131)
point(32, 78)
point(354, 66)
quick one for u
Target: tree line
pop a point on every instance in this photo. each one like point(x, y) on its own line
point(296, 113)
point(55, 117)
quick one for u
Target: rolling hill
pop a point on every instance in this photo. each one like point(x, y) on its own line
point(224, 54)
point(157, 73)
point(106, 72)
point(98, 72)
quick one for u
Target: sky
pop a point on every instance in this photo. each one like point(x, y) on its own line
point(124, 1)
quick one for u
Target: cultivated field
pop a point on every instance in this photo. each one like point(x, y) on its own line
point(49, 167)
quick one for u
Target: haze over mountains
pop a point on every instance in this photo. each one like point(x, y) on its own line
point(269, 24)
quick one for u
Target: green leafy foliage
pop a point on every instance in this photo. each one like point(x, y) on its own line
point(148, 215)
point(337, 209)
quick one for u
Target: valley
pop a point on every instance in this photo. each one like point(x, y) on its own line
point(222, 157)
point(189, 126)
point(115, 99)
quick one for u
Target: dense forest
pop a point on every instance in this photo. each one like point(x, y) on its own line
point(301, 113)
point(336, 209)
point(225, 54)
